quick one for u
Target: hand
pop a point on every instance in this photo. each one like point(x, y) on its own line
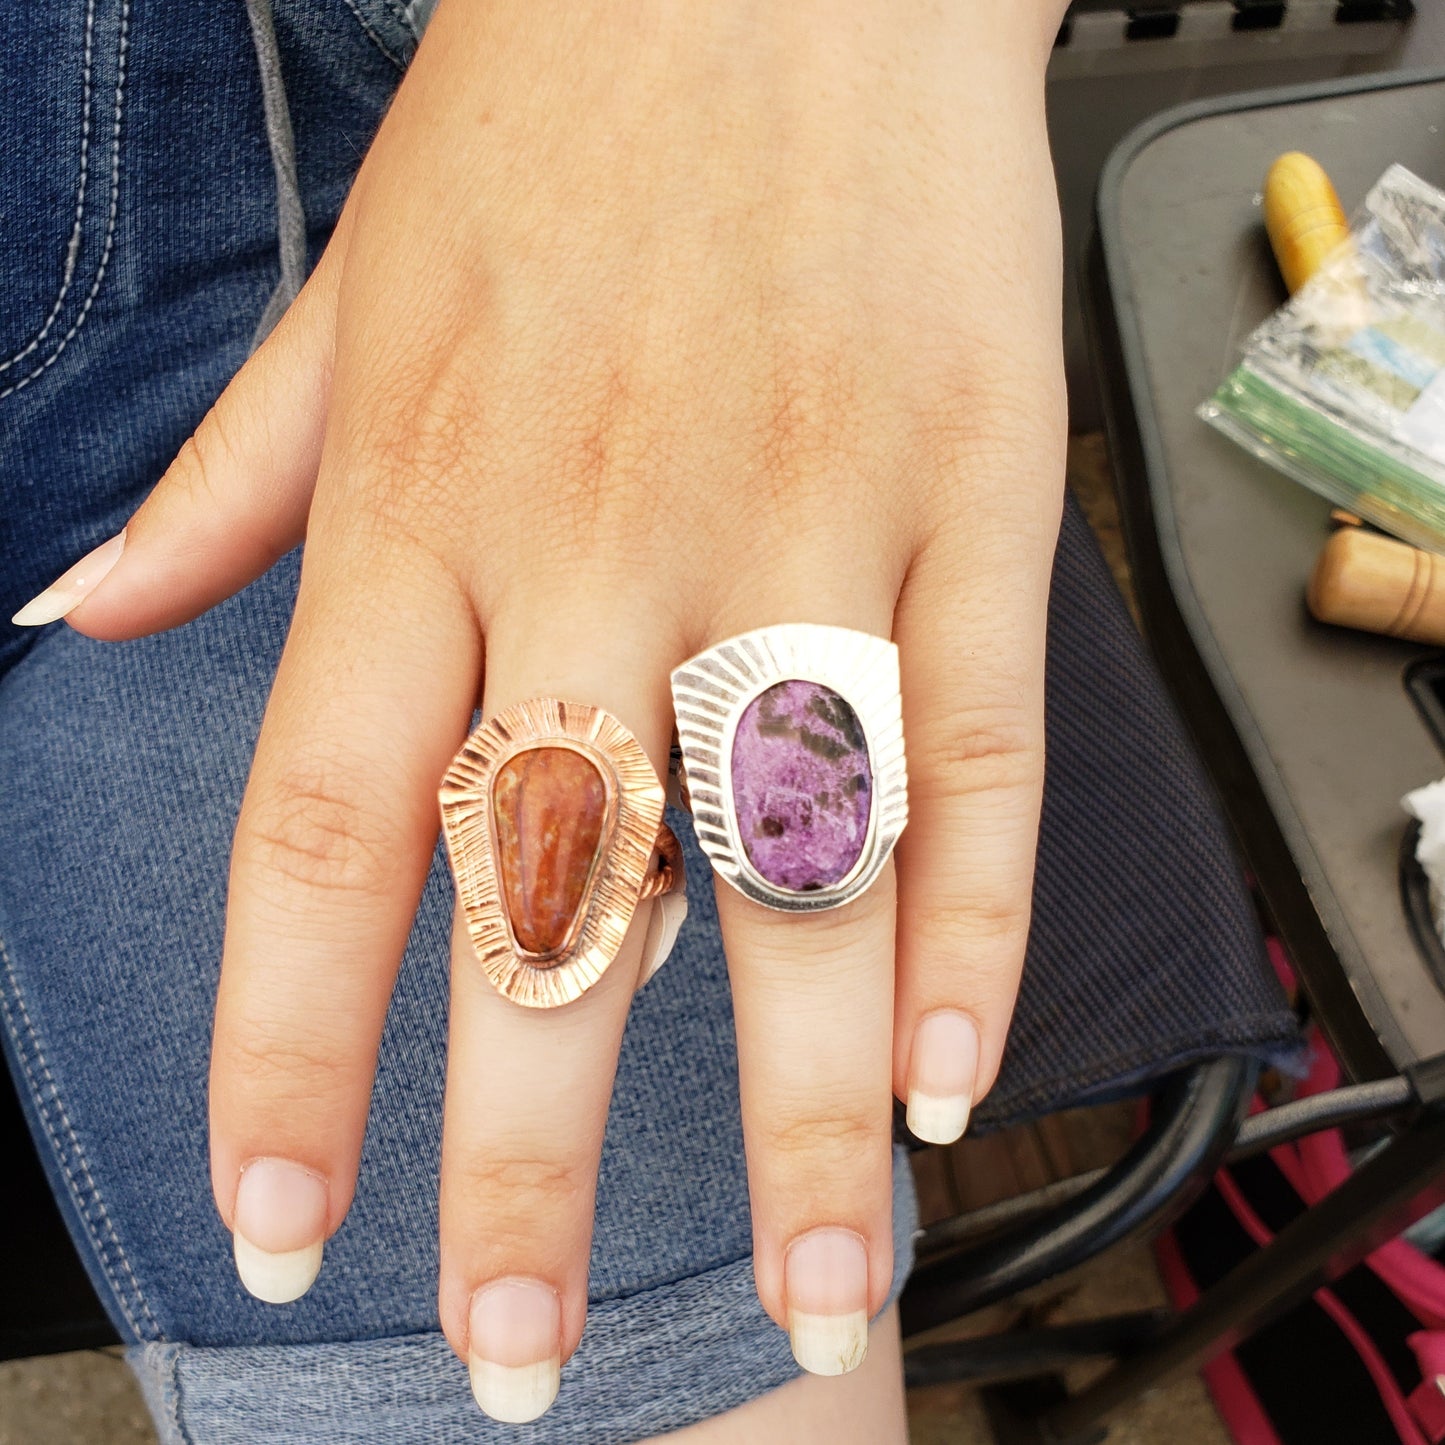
point(643, 326)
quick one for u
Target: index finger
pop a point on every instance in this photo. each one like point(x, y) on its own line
point(332, 846)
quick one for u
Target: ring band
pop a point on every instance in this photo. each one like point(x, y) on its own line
point(792, 754)
point(552, 816)
point(669, 872)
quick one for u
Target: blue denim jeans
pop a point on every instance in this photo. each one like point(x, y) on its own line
point(139, 220)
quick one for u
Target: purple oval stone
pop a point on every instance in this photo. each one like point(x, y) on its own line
point(802, 785)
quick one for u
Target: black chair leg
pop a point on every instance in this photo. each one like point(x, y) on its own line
point(1388, 1193)
point(1026, 1354)
point(1195, 1118)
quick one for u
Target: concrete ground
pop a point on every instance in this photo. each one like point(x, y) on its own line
point(1124, 1279)
point(83, 1399)
point(91, 1399)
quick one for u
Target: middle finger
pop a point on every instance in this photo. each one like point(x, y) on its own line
point(528, 1088)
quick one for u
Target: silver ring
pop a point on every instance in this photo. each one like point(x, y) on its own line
point(792, 755)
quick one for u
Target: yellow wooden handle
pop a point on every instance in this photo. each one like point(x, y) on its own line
point(1303, 216)
point(1365, 580)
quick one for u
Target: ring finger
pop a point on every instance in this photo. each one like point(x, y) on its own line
point(813, 998)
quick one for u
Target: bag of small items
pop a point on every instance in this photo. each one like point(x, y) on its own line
point(1343, 388)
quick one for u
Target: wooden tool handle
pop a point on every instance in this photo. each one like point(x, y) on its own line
point(1303, 216)
point(1365, 580)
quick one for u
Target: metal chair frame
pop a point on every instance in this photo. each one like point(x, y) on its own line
point(1195, 1126)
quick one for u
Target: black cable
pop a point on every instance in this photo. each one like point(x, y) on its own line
point(1352, 1104)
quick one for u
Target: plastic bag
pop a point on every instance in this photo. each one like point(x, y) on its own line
point(1343, 388)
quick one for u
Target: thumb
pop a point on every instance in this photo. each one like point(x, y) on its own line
point(234, 500)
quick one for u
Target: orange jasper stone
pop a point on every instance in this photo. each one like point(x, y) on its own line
point(548, 806)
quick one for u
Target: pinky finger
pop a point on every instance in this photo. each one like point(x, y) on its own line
point(974, 715)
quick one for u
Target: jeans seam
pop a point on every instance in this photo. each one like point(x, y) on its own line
point(108, 247)
point(72, 248)
point(83, 1192)
point(402, 10)
point(372, 35)
point(173, 1400)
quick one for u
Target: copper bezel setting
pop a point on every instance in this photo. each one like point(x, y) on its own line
point(621, 874)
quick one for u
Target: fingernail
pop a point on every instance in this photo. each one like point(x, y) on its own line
point(825, 1275)
point(942, 1075)
point(669, 913)
point(280, 1229)
point(515, 1349)
point(71, 588)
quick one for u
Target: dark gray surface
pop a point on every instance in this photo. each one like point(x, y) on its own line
point(1321, 711)
point(1100, 86)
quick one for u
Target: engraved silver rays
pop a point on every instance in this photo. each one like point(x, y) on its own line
point(792, 747)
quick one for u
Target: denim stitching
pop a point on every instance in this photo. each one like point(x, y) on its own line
point(173, 1400)
point(72, 249)
point(27, 1042)
point(375, 39)
point(114, 212)
point(402, 11)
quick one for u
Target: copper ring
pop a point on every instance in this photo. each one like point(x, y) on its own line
point(553, 819)
point(668, 875)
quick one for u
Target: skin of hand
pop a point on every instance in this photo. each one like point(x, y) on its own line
point(643, 326)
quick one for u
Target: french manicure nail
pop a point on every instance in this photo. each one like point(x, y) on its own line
point(825, 1276)
point(514, 1353)
point(280, 1229)
point(72, 587)
point(942, 1076)
point(669, 913)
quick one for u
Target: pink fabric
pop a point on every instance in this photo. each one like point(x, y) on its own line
point(1324, 1164)
point(1279, 961)
point(1429, 1347)
point(1427, 1401)
point(1391, 1396)
point(1223, 1377)
point(1313, 1167)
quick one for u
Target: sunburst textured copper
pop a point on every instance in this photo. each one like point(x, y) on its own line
point(553, 819)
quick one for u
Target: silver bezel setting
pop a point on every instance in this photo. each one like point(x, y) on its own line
point(710, 694)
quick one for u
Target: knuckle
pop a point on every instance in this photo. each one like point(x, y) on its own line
point(399, 516)
point(312, 826)
point(404, 530)
point(596, 446)
point(988, 404)
point(429, 443)
point(778, 951)
point(968, 437)
point(999, 751)
point(203, 461)
point(405, 483)
point(810, 408)
point(974, 929)
point(845, 1135)
point(528, 1189)
point(971, 425)
point(264, 1057)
